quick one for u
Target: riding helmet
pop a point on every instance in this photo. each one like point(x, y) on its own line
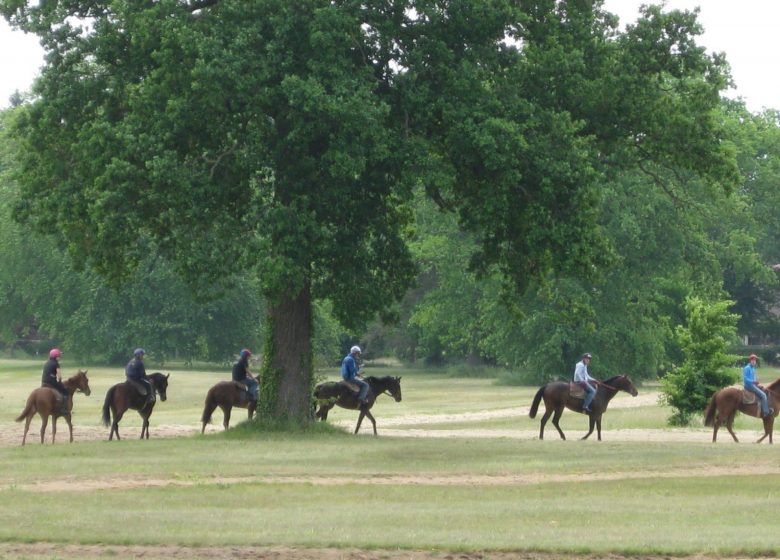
point(245, 353)
point(55, 353)
point(138, 352)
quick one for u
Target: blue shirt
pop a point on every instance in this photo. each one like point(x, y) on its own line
point(749, 374)
point(349, 368)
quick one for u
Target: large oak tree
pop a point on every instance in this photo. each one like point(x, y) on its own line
point(287, 138)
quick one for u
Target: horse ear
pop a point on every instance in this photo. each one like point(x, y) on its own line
point(167, 376)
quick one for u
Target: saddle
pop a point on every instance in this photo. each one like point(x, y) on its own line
point(240, 386)
point(576, 391)
point(354, 387)
point(749, 397)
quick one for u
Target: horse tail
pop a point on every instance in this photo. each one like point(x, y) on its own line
point(107, 406)
point(537, 400)
point(29, 409)
point(709, 414)
point(211, 405)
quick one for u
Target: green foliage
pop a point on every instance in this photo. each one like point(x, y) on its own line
point(709, 330)
point(288, 139)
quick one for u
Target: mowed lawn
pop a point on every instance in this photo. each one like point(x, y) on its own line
point(327, 488)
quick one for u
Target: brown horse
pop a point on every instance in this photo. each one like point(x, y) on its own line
point(122, 396)
point(726, 402)
point(332, 393)
point(557, 395)
point(46, 402)
point(226, 395)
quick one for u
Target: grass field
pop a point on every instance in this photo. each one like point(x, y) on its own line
point(326, 489)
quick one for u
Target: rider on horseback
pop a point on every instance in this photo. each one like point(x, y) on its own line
point(583, 378)
point(136, 376)
point(350, 371)
point(242, 374)
point(52, 378)
point(751, 384)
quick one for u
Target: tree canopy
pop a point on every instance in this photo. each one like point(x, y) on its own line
point(288, 139)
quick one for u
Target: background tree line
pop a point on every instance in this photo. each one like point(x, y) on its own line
point(666, 246)
point(542, 180)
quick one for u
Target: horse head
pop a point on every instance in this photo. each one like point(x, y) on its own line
point(160, 383)
point(79, 382)
point(394, 387)
point(623, 383)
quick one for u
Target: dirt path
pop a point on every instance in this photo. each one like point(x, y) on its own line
point(64, 484)
point(412, 425)
point(31, 551)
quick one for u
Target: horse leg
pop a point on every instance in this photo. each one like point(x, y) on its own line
point(729, 424)
point(715, 426)
point(44, 421)
point(545, 417)
point(556, 419)
point(598, 426)
point(767, 430)
point(27, 427)
point(226, 416)
point(373, 422)
point(70, 427)
point(145, 427)
point(360, 420)
point(115, 424)
point(322, 413)
point(53, 427)
point(591, 424)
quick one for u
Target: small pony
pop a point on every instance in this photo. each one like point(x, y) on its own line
point(46, 402)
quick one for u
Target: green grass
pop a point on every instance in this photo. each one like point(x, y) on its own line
point(501, 494)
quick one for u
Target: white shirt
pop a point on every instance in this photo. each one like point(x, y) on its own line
point(581, 372)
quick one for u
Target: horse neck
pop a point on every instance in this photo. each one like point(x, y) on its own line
point(377, 384)
point(775, 386)
point(72, 384)
point(609, 388)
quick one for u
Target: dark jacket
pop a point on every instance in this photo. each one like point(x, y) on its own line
point(241, 369)
point(135, 370)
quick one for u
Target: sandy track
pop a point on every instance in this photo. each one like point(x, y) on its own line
point(412, 425)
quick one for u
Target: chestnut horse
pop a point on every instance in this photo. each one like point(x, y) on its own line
point(122, 396)
point(726, 402)
point(332, 393)
point(46, 402)
point(557, 396)
point(226, 395)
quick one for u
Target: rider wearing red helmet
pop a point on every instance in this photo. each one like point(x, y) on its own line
point(52, 378)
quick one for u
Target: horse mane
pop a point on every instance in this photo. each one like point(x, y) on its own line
point(611, 379)
point(75, 376)
point(775, 385)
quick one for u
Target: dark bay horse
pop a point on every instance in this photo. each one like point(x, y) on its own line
point(557, 396)
point(333, 393)
point(46, 402)
point(122, 396)
point(226, 395)
point(725, 404)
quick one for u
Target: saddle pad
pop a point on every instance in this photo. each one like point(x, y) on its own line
point(576, 390)
point(353, 386)
point(748, 397)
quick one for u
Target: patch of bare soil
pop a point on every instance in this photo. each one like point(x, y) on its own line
point(87, 552)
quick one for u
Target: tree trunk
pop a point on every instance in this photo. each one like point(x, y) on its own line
point(287, 366)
